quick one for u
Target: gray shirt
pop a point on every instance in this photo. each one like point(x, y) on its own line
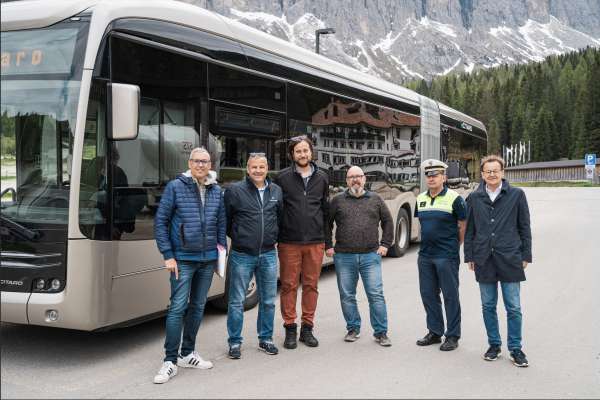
point(357, 222)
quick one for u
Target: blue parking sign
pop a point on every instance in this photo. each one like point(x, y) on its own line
point(590, 159)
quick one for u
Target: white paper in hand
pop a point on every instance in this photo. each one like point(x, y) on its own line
point(220, 267)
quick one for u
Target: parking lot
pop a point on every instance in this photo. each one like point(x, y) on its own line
point(560, 300)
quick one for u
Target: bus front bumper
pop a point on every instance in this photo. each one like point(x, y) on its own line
point(14, 307)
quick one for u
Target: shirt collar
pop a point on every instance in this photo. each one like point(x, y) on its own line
point(312, 169)
point(442, 193)
point(495, 192)
point(366, 193)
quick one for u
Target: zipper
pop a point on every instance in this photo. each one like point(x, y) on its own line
point(304, 201)
point(182, 235)
point(202, 214)
point(262, 220)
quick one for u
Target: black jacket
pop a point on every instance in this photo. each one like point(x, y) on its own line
point(305, 210)
point(252, 225)
point(498, 236)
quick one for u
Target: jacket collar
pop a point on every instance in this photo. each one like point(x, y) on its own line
point(211, 178)
point(251, 184)
point(506, 187)
point(313, 168)
point(442, 193)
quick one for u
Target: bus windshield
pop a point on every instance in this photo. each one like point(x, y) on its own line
point(41, 76)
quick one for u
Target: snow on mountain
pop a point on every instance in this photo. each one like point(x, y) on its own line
point(435, 37)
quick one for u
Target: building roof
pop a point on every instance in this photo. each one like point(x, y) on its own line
point(551, 164)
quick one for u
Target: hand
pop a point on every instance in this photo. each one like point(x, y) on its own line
point(220, 247)
point(525, 264)
point(471, 266)
point(330, 252)
point(171, 265)
point(382, 251)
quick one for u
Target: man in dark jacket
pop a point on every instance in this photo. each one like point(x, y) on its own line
point(189, 226)
point(254, 208)
point(357, 214)
point(442, 214)
point(301, 238)
point(498, 248)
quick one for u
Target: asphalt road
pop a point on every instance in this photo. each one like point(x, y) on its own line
point(560, 300)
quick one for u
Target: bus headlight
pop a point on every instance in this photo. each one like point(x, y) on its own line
point(55, 284)
point(40, 284)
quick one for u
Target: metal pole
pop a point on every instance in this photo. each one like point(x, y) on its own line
point(317, 42)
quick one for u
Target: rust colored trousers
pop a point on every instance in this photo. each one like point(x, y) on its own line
point(299, 262)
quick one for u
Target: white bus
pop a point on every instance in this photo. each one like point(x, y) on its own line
point(102, 102)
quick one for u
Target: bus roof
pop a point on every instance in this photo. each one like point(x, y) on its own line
point(31, 14)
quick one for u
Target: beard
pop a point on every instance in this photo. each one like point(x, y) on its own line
point(356, 190)
point(302, 163)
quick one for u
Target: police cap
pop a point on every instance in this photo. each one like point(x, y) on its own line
point(432, 167)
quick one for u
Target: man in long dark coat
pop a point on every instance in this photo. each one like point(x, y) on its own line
point(498, 249)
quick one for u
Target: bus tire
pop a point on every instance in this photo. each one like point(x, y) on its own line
point(402, 235)
point(251, 300)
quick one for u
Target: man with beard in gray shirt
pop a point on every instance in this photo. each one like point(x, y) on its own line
point(357, 214)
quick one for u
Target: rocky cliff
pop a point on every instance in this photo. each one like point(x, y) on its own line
point(405, 39)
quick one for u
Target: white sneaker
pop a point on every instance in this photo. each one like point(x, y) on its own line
point(193, 360)
point(167, 371)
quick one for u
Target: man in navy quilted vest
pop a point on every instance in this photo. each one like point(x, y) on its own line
point(189, 227)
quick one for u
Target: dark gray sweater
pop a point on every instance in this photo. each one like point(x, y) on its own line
point(357, 223)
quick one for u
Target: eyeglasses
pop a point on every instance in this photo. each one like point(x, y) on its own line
point(298, 138)
point(492, 172)
point(197, 161)
point(252, 155)
point(431, 174)
point(352, 177)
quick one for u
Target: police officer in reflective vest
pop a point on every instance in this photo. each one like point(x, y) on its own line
point(442, 214)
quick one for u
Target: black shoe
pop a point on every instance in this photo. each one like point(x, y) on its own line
point(268, 347)
point(290, 336)
point(307, 337)
point(449, 344)
point(235, 351)
point(518, 358)
point(429, 339)
point(492, 353)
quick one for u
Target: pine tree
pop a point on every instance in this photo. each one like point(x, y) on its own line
point(493, 146)
point(555, 103)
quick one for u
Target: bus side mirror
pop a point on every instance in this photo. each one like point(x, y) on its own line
point(124, 104)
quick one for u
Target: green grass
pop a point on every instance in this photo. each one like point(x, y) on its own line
point(556, 184)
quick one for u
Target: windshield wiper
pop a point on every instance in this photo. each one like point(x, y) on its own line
point(21, 230)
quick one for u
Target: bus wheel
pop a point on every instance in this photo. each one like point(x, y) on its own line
point(251, 297)
point(402, 236)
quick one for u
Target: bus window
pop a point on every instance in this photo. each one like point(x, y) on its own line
point(230, 85)
point(466, 151)
point(93, 206)
point(180, 136)
point(348, 132)
point(135, 171)
point(236, 131)
point(172, 87)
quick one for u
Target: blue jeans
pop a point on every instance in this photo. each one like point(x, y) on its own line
point(512, 303)
point(193, 284)
point(348, 266)
point(440, 275)
point(241, 268)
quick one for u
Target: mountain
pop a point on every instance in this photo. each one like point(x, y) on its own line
point(400, 40)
